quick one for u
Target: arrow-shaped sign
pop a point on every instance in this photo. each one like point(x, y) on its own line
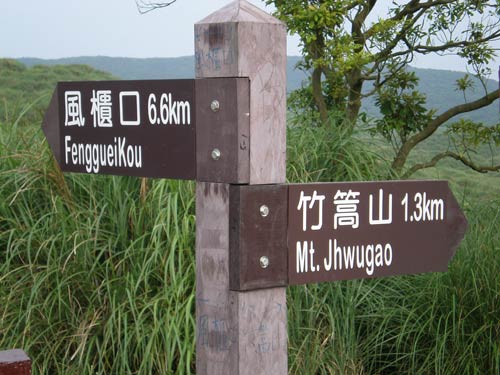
point(134, 128)
point(342, 231)
point(182, 129)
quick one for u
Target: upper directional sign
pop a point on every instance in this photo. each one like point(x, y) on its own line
point(339, 231)
point(135, 128)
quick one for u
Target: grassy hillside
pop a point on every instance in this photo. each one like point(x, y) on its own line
point(22, 87)
point(470, 185)
point(467, 184)
point(97, 272)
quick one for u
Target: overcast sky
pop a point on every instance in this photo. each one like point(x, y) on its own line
point(66, 28)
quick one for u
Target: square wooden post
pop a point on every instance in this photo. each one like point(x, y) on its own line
point(240, 332)
point(14, 362)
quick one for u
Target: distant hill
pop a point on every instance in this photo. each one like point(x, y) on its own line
point(438, 85)
point(152, 68)
point(22, 86)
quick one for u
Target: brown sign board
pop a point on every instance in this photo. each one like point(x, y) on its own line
point(341, 231)
point(149, 128)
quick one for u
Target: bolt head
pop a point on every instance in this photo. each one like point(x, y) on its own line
point(216, 154)
point(264, 210)
point(264, 261)
point(215, 106)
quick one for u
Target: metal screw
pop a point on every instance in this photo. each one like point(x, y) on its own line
point(264, 261)
point(264, 210)
point(216, 154)
point(215, 106)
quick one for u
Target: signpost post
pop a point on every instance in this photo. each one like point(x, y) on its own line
point(240, 332)
point(254, 234)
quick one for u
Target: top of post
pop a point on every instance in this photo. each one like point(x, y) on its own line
point(240, 11)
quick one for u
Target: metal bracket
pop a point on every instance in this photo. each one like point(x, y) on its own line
point(257, 236)
point(223, 130)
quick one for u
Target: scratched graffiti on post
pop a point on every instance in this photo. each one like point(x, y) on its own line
point(215, 333)
point(218, 52)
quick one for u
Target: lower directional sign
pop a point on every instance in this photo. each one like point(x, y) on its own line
point(339, 231)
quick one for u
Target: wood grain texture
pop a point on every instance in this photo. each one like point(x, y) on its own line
point(237, 332)
point(253, 236)
point(240, 11)
point(226, 130)
point(250, 43)
point(240, 333)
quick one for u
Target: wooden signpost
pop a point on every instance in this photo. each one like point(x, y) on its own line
point(254, 234)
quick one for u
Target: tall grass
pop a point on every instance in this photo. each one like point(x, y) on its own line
point(97, 276)
point(96, 272)
point(441, 323)
point(330, 153)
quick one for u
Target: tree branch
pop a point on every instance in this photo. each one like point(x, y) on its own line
point(145, 7)
point(434, 124)
point(448, 154)
point(454, 111)
point(459, 44)
point(415, 5)
point(409, 10)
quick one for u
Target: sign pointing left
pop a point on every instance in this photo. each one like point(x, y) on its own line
point(133, 128)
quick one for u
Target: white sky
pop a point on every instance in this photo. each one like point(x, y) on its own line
point(66, 28)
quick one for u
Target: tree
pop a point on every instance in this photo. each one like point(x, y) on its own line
point(351, 54)
point(144, 6)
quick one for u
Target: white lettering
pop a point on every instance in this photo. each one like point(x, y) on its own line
point(311, 259)
point(95, 156)
point(184, 112)
point(172, 111)
point(74, 153)
point(388, 254)
point(382, 219)
point(369, 260)
point(350, 257)
point(121, 152)
point(302, 257)
point(168, 111)
point(68, 149)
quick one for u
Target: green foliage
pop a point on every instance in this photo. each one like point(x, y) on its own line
point(403, 109)
point(434, 84)
point(426, 324)
point(302, 107)
point(464, 84)
point(346, 49)
point(467, 135)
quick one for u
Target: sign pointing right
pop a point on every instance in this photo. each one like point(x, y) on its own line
point(341, 231)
